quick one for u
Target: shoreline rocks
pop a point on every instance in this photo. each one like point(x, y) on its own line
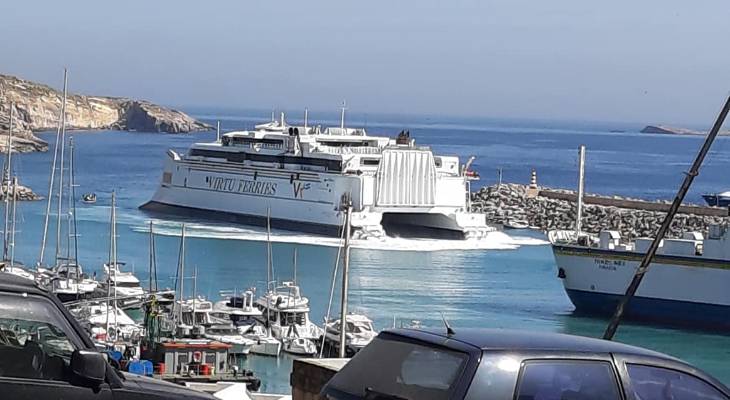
point(36, 108)
point(22, 193)
point(513, 202)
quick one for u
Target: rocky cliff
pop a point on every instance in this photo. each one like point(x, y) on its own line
point(36, 107)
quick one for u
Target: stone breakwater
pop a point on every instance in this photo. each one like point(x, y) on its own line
point(548, 209)
point(36, 108)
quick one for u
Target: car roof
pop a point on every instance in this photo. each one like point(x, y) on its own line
point(506, 339)
point(13, 283)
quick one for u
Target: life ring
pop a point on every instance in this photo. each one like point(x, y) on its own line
point(197, 356)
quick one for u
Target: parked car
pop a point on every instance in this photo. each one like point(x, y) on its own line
point(488, 364)
point(46, 354)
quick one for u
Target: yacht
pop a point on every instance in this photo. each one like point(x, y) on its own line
point(69, 283)
point(306, 176)
point(264, 343)
point(244, 314)
point(241, 310)
point(286, 312)
point(359, 332)
point(686, 283)
point(106, 322)
point(125, 285)
point(227, 333)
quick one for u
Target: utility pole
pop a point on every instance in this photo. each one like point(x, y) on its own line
point(347, 204)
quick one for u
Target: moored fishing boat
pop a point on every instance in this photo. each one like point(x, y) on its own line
point(686, 283)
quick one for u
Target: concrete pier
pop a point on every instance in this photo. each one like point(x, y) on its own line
point(556, 209)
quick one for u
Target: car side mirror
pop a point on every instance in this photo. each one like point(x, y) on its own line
point(89, 366)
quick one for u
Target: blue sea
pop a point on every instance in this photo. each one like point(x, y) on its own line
point(509, 282)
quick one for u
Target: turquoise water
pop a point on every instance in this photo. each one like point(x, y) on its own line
point(509, 282)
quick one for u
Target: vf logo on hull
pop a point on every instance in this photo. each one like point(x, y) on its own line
point(299, 188)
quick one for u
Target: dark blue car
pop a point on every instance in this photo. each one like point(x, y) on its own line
point(479, 364)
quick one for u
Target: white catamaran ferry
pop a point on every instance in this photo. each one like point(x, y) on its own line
point(300, 174)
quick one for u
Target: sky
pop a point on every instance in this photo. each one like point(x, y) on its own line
point(651, 61)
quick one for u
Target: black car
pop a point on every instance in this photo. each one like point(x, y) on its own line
point(484, 364)
point(45, 354)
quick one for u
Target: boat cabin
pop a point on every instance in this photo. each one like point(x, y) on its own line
point(193, 356)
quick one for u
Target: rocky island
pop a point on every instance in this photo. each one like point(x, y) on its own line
point(36, 108)
point(668, 130)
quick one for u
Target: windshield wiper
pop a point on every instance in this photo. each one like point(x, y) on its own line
point(372, 394)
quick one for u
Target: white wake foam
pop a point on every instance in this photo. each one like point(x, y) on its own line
point(493, 241)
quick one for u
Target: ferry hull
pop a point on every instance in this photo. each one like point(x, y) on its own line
point(661, 311)
point(244, 219)
point(677, 290)
point(305, 201)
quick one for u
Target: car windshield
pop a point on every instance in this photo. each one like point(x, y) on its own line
point(401, 369)
point(33, 338)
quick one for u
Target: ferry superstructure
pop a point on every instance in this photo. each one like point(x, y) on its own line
point(301, 174)
point(686, 284)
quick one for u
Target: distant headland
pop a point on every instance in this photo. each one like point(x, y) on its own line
point(36, 108)
point(668, 130)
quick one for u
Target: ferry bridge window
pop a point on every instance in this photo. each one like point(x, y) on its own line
point(655, 383)
point(567, 380)
point(33, 340)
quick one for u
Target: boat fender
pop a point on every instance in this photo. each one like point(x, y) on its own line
point(561, 273)
point(291, 178)
point(255, 174)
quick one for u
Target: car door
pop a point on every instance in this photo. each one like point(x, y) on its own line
point(36, 343)
point(648, 378)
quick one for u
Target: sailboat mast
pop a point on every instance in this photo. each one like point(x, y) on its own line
point(72, 201)
point(12, 228)
point(345, 279)
point(6, 183)
point(109, 264)
point(114, 253)
point(62, 120)
point(268, 270)
point(195, 290)
point(182, 273)
point(153, 261)
point(294, 261)
point(581, 188)
point(60, 179)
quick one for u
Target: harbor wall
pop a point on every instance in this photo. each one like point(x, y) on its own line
point(309, 375)
point(547, 209)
